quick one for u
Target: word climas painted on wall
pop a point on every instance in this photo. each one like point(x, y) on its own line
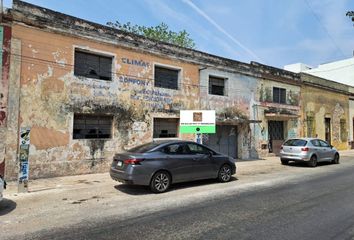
point(136, 62)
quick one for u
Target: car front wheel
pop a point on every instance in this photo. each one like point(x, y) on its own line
point(225, 173)
point(160, 182)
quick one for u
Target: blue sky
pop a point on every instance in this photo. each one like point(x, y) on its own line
point(274, 32)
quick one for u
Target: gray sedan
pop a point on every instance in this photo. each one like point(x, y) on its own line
point(310, 150)
point(159, 164)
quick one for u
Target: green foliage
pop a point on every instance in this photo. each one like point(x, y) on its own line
point(351, 15)
point(160, 32)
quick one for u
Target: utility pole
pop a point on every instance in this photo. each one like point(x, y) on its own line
point(1, 10)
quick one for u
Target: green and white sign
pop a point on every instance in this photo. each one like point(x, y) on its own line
point(197, 121)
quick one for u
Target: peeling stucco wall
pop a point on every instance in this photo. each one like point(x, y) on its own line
point(325, 99)
point(239, 95)
point(266, 110)
point(50, 95)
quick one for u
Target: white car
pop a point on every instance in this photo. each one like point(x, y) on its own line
point(2, 187)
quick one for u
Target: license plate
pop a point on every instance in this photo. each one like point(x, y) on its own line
point(120, 163)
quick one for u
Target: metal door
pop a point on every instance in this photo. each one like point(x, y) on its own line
point(328, 130)
point(224, 140)
point(275, 135)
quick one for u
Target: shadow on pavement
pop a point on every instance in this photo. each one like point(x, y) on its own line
point(7, 206)
point(133, 189)
point(143, 190)
point(304, 164)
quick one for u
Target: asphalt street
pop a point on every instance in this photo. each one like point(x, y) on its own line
point(317, 206)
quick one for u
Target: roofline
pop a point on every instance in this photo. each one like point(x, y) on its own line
point(49, 20)
point(341, 88)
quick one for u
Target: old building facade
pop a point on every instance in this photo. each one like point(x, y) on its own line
point(325, 110)
point(86, 91)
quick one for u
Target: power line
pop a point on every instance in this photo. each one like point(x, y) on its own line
point(325, 29)
point(62, 66)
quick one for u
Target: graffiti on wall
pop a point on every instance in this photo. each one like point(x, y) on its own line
point(135, 62)
point(136, 67)
point(23, 174)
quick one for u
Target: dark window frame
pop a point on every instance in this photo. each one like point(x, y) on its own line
point(279, 95)
point(215, 88)
point(92, 126)
point(95, 69)
point(162, 79)
point(164, 134)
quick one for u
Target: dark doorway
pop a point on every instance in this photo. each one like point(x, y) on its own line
point(275, 136)
point(224, 140)
point(328, 130)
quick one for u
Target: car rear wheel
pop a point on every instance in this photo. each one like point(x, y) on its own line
point(225, 173)
point(313, 161)
point(336, 159)
point(284, 162)
point(160, 182)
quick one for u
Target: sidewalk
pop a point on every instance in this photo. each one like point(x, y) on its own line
point(247, 167)
point(244, 168)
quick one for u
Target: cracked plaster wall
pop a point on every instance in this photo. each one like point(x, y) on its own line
point(51, 94)
point(321, 104)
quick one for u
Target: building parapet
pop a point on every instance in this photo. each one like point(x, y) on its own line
point(323, 83)
point(49, 20)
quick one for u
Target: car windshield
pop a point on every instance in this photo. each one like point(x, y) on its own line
point(144, 148)
point(295, 142)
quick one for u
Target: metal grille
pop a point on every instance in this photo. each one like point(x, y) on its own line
point(276, 130)
point(92, 65)
point(165, 127)
point(279, 95)
point(166, 78)
point(216, 86)
point(89, 126)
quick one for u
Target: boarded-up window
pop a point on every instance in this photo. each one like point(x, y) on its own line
point(343, 130)
point(166, 77)
point(279, 95)
point(92, 65)
point(217, 86)
point(310, 126)
point(165, 127)
point(90, 126)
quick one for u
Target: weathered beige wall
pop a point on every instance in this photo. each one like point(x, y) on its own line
point(320, 104)
point(289, 112)
point(11, 167)
point(51, 94)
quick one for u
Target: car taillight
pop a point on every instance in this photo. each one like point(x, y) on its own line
point(133, 161)
point(306, 149)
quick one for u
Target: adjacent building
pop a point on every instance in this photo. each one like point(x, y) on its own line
point(325, 110)
point(341, 72)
